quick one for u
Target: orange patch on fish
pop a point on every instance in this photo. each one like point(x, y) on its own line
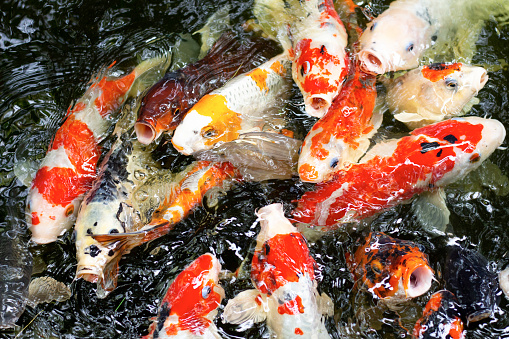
point(278, 68)
point(291, 307)
point(436, 72)
point(112, 91)
point(259, 76)
point(308, 172)
point(298, 331)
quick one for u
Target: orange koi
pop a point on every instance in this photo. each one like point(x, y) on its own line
point(69, 167)
point(395, 171)
point(190, 304)
point(342, 135)
point(283, 273)
point(391, 268)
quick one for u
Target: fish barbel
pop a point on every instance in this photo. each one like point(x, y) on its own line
point(432, 93)
point(190, 304)
point(244, 104)
point(283, 273)
point(342, 135)
point(167, 102)
point(394, 171)
point(69, 167)
point(391, 268)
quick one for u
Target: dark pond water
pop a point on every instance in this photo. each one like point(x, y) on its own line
point(48, 52)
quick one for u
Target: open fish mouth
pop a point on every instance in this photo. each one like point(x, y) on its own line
point(418, 281)
point(372, 63)
point(90, 274)
point(145, 132)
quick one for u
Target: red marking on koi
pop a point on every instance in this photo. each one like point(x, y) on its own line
point(436, 72)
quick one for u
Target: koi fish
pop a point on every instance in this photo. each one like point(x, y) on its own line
point(467, 275)
point(316, 40)
point(283, 273)
point(434, 92)
point(341, 137)
point(390, 267)
point(190, 304)
point(405, 33)
point(396, 170)
point(69, 167)
point(441, 318)
point(167, 102)
point(242, 105)
point(109, 207)
point(101, 247)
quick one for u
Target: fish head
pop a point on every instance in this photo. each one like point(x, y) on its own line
point(49, 218)
point(208, 123)
point(392, 267)
point(458, 145)
point(98, 261)
point(394, 41)
point(281, 254)
point(446, 88)
point(194, 295)
point(160, 108)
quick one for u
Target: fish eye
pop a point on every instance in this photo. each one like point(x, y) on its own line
point(209, 133)
point(410, 47)
point(69, 210)
point(306, 66)
point(451, 83)
point(205, 292)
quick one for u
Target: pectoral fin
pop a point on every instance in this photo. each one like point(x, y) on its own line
point(248, 305)
point(325, 304)
point(431, 211)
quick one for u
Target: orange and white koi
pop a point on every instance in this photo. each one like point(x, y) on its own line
point(395, 171)
point(242, 105)
point(391, 268)
point(283, 273)
point(190, 304)
point(341, 137)
point(433, 92)
point(441, 318)
point(100, 249)
point(69, 167)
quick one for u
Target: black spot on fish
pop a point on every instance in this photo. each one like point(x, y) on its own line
point(429, 146)
point(89, 231)
point(434, 38)
point(267, 249)
point(113, 230)
point(373, 26)
point(322, 49)
point(439, 153)
point(110, 253)
point(437, 66)
point(450, 138)
point(95, 223)
point(94, 251)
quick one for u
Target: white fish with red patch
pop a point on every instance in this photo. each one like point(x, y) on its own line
point(316, 40)
point(435, 92)
point(189, 307)
point(282, 271)
point(247, 103)
point(69, 167)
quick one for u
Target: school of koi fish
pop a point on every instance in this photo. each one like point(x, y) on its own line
point(224, 113)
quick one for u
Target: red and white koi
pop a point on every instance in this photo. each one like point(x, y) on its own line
point(394, 171)
point(432, 93)
point(69, 167)
point(283, 273)
point(341, 137)
point(242, 105)
point(190, 304)
point(316, 38)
